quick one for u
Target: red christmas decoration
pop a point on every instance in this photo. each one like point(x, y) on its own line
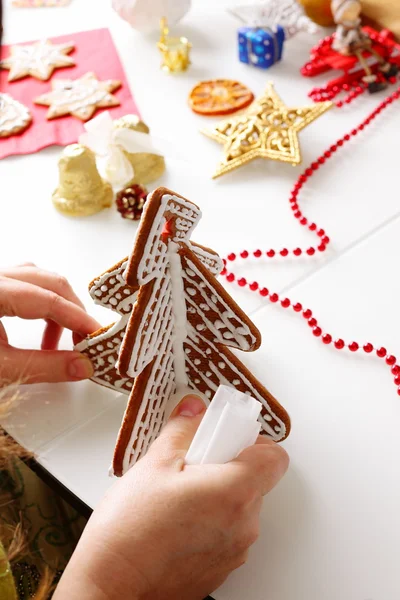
point(321, 245)
point(325, 59)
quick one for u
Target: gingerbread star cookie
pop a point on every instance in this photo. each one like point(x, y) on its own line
point(38, 60)
point(79, 97)
point(176, 325)
point(14, 116)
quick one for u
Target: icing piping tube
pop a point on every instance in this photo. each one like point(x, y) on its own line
point(229, 426)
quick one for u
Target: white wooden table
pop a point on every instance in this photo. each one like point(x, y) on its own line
point(331, 528)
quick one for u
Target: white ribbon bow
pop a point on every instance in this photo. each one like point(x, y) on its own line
point(109, 143)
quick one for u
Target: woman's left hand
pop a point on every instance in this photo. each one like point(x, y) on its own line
point(28, 292)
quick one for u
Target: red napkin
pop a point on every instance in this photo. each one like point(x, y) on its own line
point(94, 51)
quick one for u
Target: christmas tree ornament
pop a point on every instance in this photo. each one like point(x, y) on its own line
point(219, 97)
point(79, 97)
point(270, 13)
point(319, 11)
point(81, 190)
point(261, 46)
point(14, 116)
point(147, 166)
point(176, 325)
point(269, 129)
point(145, 15)
point(353, 80)
point(130, 201)
point(175, 51)
point(37, 60)
point(323, 241)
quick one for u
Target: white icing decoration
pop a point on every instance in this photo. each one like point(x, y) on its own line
point(39, 59)
point(166, 338)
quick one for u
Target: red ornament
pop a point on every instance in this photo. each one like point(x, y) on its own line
point(130, 201)
point(325, 59)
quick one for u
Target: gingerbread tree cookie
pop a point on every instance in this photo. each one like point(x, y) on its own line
point(176, 336)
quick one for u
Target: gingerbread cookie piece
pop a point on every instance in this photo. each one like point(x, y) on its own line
point(176, 337)
point(14, 116)
point(79, 97)
point(111, 291)
point(38, 60)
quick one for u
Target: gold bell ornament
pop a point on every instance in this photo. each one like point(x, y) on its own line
point(81, 190)
point(147, 167)
point(175, 51)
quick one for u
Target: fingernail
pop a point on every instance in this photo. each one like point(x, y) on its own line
point(80, 368)
point(190, 406)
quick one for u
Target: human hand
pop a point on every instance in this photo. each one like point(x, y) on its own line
point(170, 531)
point(31, 293)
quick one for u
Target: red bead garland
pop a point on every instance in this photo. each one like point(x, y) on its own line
point(324, 240)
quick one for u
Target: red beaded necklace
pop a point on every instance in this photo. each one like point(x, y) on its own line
point(323, 242)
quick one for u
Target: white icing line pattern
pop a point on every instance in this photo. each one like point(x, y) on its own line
point(182, 323)
point(179, 328)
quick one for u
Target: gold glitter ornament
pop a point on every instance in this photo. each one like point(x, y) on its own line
point(267, 130)
point(147, 167)
point(175, 51)
point(81, 191)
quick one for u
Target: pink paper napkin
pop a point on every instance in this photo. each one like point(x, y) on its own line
point(95, 52)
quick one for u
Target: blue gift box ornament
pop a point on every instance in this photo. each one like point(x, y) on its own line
point(261, 46)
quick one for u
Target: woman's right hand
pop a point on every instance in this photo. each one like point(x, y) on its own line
point(169, 531)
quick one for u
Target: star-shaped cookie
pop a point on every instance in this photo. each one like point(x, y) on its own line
point(38, 60)
point(79, 97)
point(267, 130)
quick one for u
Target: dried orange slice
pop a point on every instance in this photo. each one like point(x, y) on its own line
point(219, 97)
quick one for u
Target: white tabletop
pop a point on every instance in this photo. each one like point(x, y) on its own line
point(331, 528)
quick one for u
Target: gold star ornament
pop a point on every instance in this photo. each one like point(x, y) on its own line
point(38, 60)
point(267, 130)
point(79, 97)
